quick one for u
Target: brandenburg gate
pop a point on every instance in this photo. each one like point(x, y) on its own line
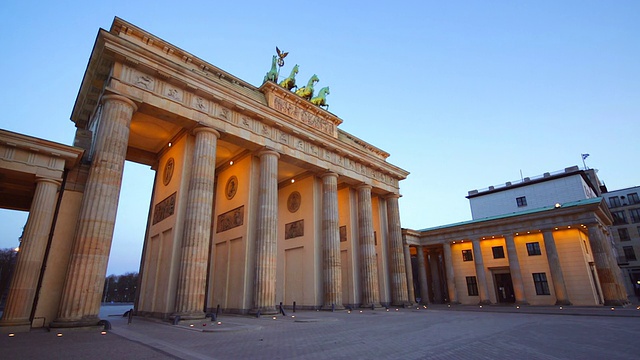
point(259, 198)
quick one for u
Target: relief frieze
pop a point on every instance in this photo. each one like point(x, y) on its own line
point(230, 219)
point(303, 116)
point(164, 208)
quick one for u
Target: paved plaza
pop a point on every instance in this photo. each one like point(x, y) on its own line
point(438, 332)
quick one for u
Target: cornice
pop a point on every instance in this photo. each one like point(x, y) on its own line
point(70, 154)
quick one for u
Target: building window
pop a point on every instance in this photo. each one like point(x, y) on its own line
point(635, 215)
point(467, 255)
point(619, 218)
point(472, 286)
point(533, 249)
point(623, 234)
point(521, 201)
point(633, 198)
point(614, 201)
point(540, 281)
point(629, 253)
point(498, 252)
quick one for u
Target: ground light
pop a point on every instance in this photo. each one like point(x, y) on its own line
point(59, 335)
point(103, 333)
point(12, 334)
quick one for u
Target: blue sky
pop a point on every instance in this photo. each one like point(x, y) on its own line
point(463, 94)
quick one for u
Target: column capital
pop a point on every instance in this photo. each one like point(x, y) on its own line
point(393, 196)
point(267, 151)
point(329, 173)
point(40, 179)
point(116, 97)
point(200, 129)
point(364, 186)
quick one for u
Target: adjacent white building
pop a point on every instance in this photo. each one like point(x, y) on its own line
point(570, 184)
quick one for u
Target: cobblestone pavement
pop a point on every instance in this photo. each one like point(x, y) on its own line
point(438, 332)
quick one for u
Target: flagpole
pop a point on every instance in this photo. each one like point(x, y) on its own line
point(584, 156)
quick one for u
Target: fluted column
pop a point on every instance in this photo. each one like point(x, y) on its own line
point(196, 235)
point(397, 268)
point(266, 234)
point(82, 292)
point(24, 281)
point(559, 285)
point(617, 272)
point(332, 268)
point(604, 267)
point(483, 289)
point(434, 265)
point(451, 280)
point(368, 263)
point(409, 273)
point(422, 275)
point(514, 267)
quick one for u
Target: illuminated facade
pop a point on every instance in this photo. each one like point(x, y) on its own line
point(259, 197)
point(556, 249)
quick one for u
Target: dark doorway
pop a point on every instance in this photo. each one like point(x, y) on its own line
point(504, 289)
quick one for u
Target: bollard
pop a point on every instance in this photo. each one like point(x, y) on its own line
point(282, 310)
point(130, 317)
point(373, 307)
point(333, 307)
point(176, 320)
point(105, 323)
point(214, 317)
point(218, 310)
point(258, 314)
point(294, 306)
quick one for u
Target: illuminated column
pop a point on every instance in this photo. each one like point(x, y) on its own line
point(605, 268)
point(368, 262)
point(556, 269)
point(422, 275)
point(84, 283)
point(196, 236)
point(24, 281)
point(483, 289)
point(266, 234)
point(514, 267)
point(409, 272)
point(451, 280)
point(332, 269)
point(397, 266)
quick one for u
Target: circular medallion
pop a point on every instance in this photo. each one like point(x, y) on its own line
point(293, 202)
point(231, 188)
point(168, 171)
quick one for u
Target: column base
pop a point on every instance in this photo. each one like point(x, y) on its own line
point(267, 310)
point(615, 303)
point(194, 315)
point(330, 307)
point(14, 326)
point(370, 306)
point(403, 304)
point(80, 323)
point(563, 302)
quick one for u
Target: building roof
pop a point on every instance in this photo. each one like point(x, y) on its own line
point(583, 202)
